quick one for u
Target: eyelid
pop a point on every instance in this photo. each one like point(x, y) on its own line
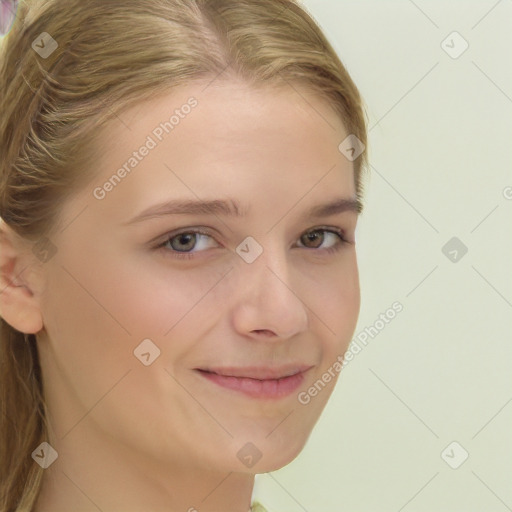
point(171, 234)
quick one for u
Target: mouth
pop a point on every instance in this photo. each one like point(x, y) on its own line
point(257, 382)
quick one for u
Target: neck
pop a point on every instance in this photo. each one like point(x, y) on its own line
point(90, 475)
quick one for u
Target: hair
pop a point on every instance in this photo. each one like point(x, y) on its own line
point(111, 55)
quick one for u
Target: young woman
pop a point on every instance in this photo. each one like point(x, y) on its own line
point(180, 182)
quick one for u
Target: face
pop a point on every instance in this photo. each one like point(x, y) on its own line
point(189, 337)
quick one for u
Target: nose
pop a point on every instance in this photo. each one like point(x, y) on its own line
point(268, 306)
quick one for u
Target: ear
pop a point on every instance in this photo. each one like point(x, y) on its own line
point(19, 283)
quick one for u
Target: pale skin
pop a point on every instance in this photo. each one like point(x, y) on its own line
point(161, 437)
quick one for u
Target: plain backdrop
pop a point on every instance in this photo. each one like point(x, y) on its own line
point(421, 418)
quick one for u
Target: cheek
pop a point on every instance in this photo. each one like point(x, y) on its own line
point(160, 299)
point(75, 314)
point(335, 303)
point(137, 297)
point(83, 351)
point(335, 309)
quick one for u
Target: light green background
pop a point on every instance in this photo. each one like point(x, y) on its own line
point(441, 371)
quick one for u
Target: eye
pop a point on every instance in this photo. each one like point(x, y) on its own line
point(181, 245)
point(317, 237)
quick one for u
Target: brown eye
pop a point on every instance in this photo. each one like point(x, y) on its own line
point(315, 238)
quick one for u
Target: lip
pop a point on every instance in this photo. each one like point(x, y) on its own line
point(258, 382)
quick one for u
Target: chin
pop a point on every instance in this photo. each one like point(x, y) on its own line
point(274, 454)
point(275, 463)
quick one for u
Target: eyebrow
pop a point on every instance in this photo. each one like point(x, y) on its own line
point(233, 208)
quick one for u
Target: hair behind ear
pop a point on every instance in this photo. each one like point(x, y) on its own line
point(22, 420)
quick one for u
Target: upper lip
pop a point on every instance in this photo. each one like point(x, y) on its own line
point(258, 372)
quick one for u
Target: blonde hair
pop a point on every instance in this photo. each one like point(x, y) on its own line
point(112, 54)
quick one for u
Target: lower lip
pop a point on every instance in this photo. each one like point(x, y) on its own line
point(267, 389)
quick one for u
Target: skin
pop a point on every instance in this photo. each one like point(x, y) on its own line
point(161, 437)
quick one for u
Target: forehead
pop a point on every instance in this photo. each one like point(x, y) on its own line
point(224, 139)
point(232, 112)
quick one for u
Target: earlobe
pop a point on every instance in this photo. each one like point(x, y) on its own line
point(19, 306)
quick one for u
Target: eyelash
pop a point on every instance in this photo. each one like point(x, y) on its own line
point(190, 255)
